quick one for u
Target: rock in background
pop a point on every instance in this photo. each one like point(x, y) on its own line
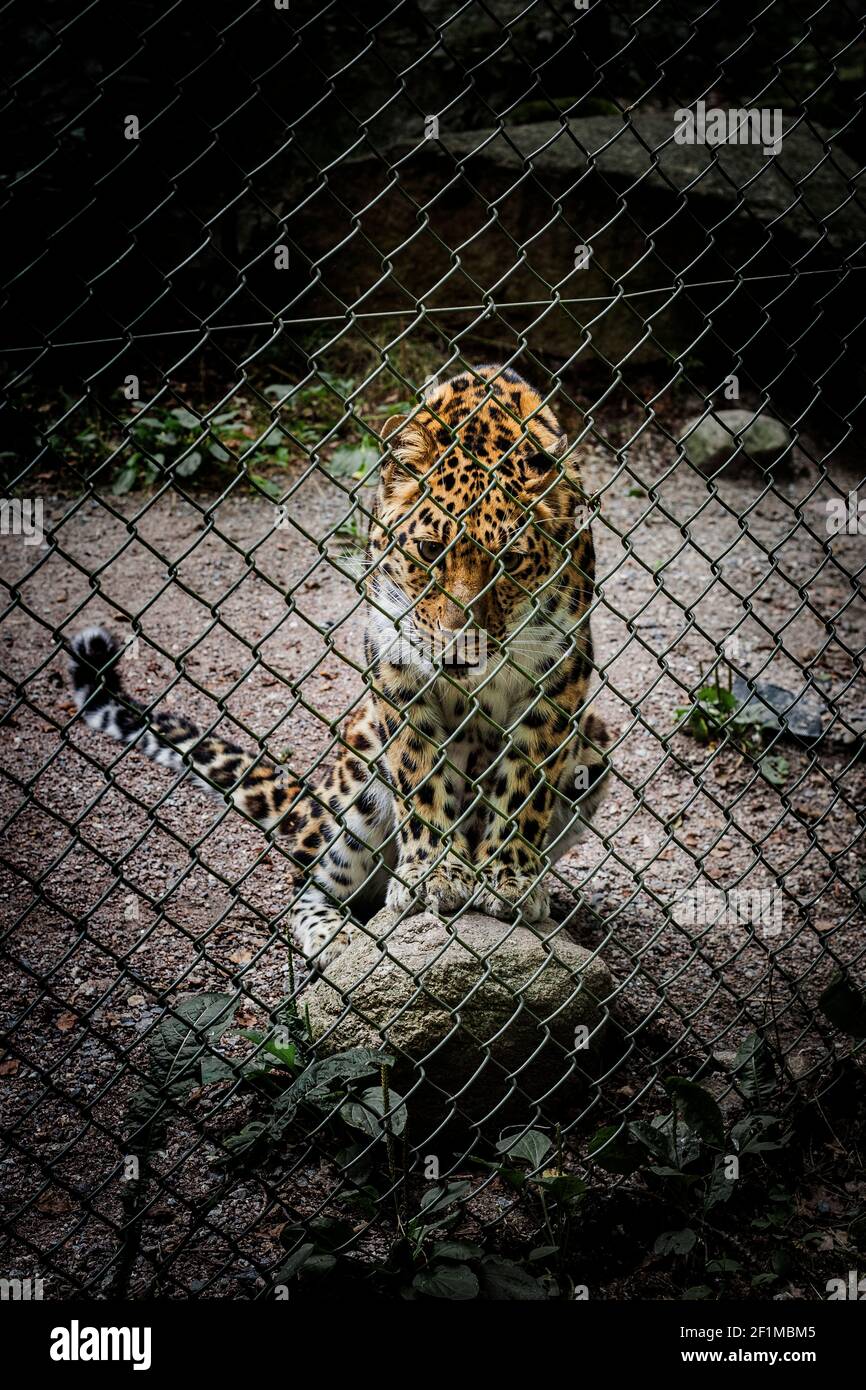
point(730, 437)
point(466, 218)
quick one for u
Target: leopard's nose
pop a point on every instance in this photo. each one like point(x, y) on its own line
point(462, 612)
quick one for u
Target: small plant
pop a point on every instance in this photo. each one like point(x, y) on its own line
point(716, 715)
point(691, 1157)
point(457, 1269)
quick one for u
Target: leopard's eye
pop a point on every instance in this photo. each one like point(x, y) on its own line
point(511, 559)
point(430, 551)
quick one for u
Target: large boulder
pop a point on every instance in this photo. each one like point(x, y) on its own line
point(483, 1018)
point(727, 435)
point(654, 213)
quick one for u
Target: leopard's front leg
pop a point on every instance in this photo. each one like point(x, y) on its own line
point(432, 868)
point(524, 799)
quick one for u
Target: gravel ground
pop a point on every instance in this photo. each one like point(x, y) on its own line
point(121, 892)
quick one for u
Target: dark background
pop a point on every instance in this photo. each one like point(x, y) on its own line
point(241, 107)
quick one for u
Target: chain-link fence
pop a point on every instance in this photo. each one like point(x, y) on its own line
point(414, 1034)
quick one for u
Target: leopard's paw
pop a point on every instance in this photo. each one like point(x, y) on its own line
point(443, 888)
point(322, 942)
point(515, 889)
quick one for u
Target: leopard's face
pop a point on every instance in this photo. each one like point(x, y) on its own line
point(478, 518)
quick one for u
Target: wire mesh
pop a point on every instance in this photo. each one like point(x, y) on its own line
point(239, 245)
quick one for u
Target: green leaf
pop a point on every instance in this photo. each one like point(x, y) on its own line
point(717, 699)
point(675, 1242)
point(185, 418)
point(440, 1198)
point(273, 490)
point(353, 460)
point(651, 1138)
point(365, 1200)
point(455, 1282)
point(294, 1263)
point(320, 1263)
point(215, 1068)
point(177, 1048)
point(533, 1147)
point(188, 465)
point(564, 1187)
point(614, 1151)
point(503, 1279)
point(845, 1006)
point(344, 1066)
point(754, 1071)
point(368, 1112)
point(676, 1150)
point(125, 480)
point(750, 1134)
point(720, 1187)
point(329, 1232)
point(775, 769)
point(274, 439)
point(287, 1055)
point(247, 1139)
point(456, 1250)
point(148, 1105)
point(698, 1291)
point(183, 1035)
point(542, 1252)
point(760, 1281)
point(723, 1267)
point(697, 1108)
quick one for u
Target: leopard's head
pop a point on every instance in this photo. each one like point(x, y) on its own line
point(479, 523)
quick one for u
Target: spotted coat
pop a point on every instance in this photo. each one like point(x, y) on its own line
point(475, 760)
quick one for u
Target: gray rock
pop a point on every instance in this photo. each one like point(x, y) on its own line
point(641, 155)
point(484, 1012)
point(726, 433)
point(808, 717)
point(647, 206)
point(770, 703)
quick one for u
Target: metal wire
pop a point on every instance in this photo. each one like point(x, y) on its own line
point(301, 129)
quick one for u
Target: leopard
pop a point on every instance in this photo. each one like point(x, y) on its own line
point(477, 757)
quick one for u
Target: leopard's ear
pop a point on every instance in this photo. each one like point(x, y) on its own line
point(410, 447)
point(534, 474)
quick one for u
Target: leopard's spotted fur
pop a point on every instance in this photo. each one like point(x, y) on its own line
point(479, 527)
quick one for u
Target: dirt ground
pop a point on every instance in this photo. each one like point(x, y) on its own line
point(122, 890)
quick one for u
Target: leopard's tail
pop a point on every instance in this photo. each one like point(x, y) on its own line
point(263, 792)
